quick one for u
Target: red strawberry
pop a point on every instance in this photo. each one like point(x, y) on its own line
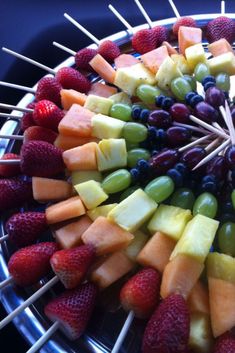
point(28, 265)
point(40, 158)
point(183, 21)
point(49, 88)
point(161, 35)
point(73, 309)
point(14, 192)
point(27, 118)
point(47, 114)
point(109, 50)
point(220, 27)
point(40, 133)
point(225, 344)
point(168, 329)
point(83, 57)
point(141, 292)
point(71, 78)
point(144, 41)
point(9, 170)
point(71, 265)
point(25, 228)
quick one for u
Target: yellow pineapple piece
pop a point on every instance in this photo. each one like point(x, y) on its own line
point(91, 193)
point(111, 153)
point(167, 71)
point(100, 211)
point(195, 55)
point(105, 127)
point(98, 104)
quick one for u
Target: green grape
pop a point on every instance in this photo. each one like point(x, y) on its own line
point(226, 238)
point(205, 204)
point(116, 181)
point(201, 71)
point(135, 154)
point(134, 132)
point(183, 198)
point(121, 111)
point(128, 192)
point(180, 87)
point(191, 80)
point(131, 145)
point(223, 81)
point(160, 188)
point(147, 93)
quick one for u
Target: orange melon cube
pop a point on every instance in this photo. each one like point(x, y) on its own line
point(102, 90)
point(154, 58)
point(70, 96)
point(69, 236)
point(157, 251)
point(188, 36)
point(45, 189)
point(170, 48)
point(180, 276)
point(76, 122)
point(103, 68)
point(198, 300)
point(108, 272)
point(219, 47)
point(106, 236)
point(125, 60)
point(70, 208)
point(81, 157)
point(66, 142)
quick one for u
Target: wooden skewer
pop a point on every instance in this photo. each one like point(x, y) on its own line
point(191, 127)
point(208, 127)
point(44, 338)
point(222, 8)
point(217, 126)
point(23, 88)
point(229, 120)
point(212, 144)
point(144, 13)
point(194, 143)
point(4, 115)
point(7, 281)
point(70, 51)
point(174, 8)
point(121, 18)
point(12, 137)
point(13, 107)
point(9, 161)
point(3, 238)
point(123, 332)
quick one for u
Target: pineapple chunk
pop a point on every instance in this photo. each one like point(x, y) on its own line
point(100, 211)
point(98, 104)
point(197, 238)
point(221, 266)
point(80, 176)
point(182, 64)
point(222, 63)
point(125, 214)
point(111, 153)
point(136, 245)
point(195, 55)
point(120, 97)
point(200, 338)
point(170, 220)
point(104, 127)
point(91, 193)
point(129, 78)
point(167, 71)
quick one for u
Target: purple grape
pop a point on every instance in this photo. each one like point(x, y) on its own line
point(206, 112)
point(215, 97)
point(193, 156)
point(180, 113)
point(230, 157)
point(177, 136)
point(160, 118)
point(217, 167)
point(164, 161)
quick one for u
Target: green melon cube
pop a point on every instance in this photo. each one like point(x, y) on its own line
point(105, 127)
point(98, 104)
point(100, 211)
point(111, 153)
point(221, 266)
point(80, 176)
point(91, 193)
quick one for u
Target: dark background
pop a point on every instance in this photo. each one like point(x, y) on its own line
point(30, 26)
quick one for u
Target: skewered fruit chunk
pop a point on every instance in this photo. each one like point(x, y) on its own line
point(221, 266)
point(98, 104)
point(197, 238)
point(188, 36)
point(102, 90)
point(140, 239)
point(125, 60)
point(170, 220)
point(117, 181)
point(70, 208)
point(103, 68)
point(181, 62)
point(45, 189)
point(154, 58)
point(156, 253)
point(81, 158)
point(105, 127)
point(170, 48)
point(219, 47)
point(69, 236)
point(111, 153)
point(167, 71)
point(123, 213)
point(91, 193)
point(66, 142)
point(198, 300)
point(222, 63)
point(129, 78)
point(195, 55)
point(121, 97)
point(81, 176)
point(100, 211)
point(108, 272)
point(200, 337)
point(106, 236)
point(70, 97)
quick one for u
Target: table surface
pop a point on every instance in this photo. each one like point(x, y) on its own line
point(29, 27)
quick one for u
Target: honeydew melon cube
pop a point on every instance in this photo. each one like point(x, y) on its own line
point(111, 153)
point(222, 63)
point(98, 104)
point(137, 244)
point(221, 266)
point(181, 62)
point(104, 126)
point(120, 97)
point(197, 238)
point(134, 211)
point(80, 176)
point(91, 193)
point(170, 220)
point(129, 78)
point(167, 71)
point(100, 211)
point(195, 55)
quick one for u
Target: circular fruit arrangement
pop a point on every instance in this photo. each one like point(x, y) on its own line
point(132, 175)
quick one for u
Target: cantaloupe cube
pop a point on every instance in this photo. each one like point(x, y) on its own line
point(121, 97)
point(69, 236)
point(137, 244)
point(156, 253)
point(102, 90)
point(91, 193)
point(195, 54)
point(125, 60)
point(219, 47)
point(105, 127)
point(188, 36)
point(198, 300)
point(222, 63)
point(100, 211)
point(82, 157)
point(106, 236)
point(76, 122)
point(45, 190)
point(111, 153)
point(80, 176)
point(70, 208)
point(66, 142)
point(170, 48)
point(200, 337)
point(182, 64)
point(103, 68)
point(109, 272)
point(70, 96)
point(154, 58)
point(98, 104)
